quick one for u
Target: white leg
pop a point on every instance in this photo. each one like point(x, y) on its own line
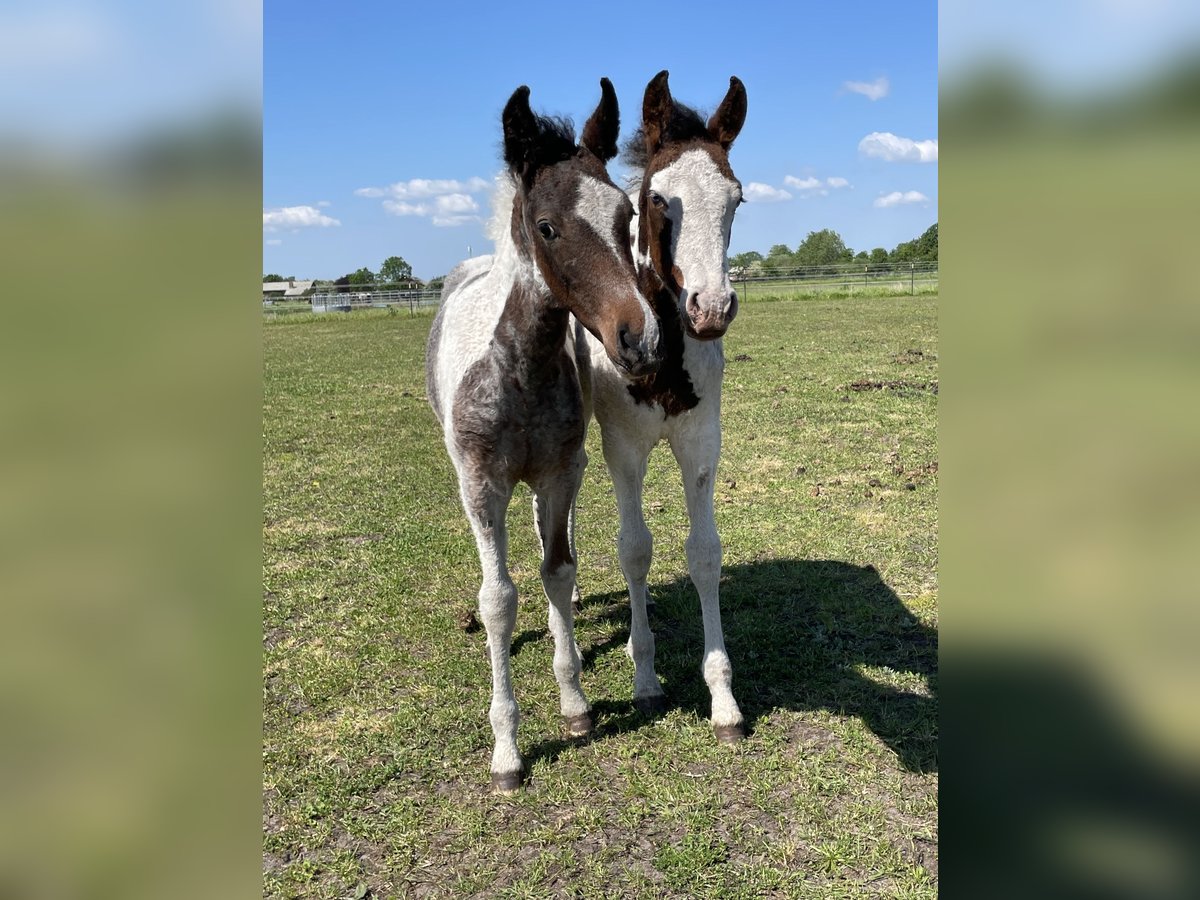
point(576, 595)
point(486, 510)
point(635, 548)
point(554, 499)
point(697, 453)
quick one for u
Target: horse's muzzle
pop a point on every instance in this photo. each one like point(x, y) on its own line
point(706, 317)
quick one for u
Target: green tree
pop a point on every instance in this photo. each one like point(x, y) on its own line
point(927, 243)
point(395, 269)
point(745, 260)
point(821, 248)
point(779, 257)
point(879, 255)
point(272, 277)
point(361, 276)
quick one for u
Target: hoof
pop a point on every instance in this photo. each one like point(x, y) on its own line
point(579, 726)
point(651, 706)
point(729, 734)
point(506, 783)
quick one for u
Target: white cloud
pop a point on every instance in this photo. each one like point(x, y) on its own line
point(400, 208)
point(872, 90)
point(890, 147)
point(451, 221)
point(757, 192)
point(810, 185)
point(418, 188)
point(895, 198)
point(452, 203)
point(274, 242)
point(802, 184)
point(323, 203)
point(455, 203)
point(296, 217)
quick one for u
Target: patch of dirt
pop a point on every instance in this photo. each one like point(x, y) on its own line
point(902, 387)
point(362, 538)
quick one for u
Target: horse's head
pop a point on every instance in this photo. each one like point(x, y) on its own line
point(687, 200)
point(572, 222)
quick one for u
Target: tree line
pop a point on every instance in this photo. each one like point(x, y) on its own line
point(825, 248)
point(393, 270)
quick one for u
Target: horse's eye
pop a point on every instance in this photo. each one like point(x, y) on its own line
point(547, 230)
point(657, 200)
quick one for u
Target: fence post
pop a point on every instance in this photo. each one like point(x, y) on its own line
point(912, 282)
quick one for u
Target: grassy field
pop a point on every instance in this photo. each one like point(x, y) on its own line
point(376, 736)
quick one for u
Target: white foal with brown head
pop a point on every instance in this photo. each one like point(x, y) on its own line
point(687, 198)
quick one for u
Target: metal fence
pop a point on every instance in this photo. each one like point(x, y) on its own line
point(906, 277)
point(850, 278)
point(366, 297)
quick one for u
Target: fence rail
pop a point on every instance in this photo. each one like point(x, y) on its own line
point(848, 277)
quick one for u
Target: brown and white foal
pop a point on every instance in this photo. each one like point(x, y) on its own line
point(686, 202)
point(505, 388)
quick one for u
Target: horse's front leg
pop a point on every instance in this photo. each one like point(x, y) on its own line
point(697, 451)
point(486, 509)
point(635, 549)
point(553, 500)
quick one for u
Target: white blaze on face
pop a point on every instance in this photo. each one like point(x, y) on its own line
point(700, 204)
point(597, 204)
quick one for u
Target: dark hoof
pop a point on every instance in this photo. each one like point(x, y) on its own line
point(579, 726)
point(651, 706)
point(729, 734)
point(507, 783)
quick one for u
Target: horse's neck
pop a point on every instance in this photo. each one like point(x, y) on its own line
point(532, 328)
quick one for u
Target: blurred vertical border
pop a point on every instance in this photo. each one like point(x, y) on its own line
point(130, 474)
point(1070, 449)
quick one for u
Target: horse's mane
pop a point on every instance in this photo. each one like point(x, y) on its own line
point(684, 125)
point(502, 207)
point(555, 142)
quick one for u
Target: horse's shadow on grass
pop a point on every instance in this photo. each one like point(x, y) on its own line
point(800, 634)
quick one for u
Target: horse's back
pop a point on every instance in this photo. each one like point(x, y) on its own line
point(466, 319)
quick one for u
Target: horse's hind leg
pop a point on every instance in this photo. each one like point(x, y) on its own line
point(498, 611)
point(697, 453)
point(553, 505)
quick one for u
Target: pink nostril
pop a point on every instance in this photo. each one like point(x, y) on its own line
point(693, 304)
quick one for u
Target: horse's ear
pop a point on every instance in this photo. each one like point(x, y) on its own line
point(657, 106)
point(520, 133)
point(600, 132)
point(727, 121)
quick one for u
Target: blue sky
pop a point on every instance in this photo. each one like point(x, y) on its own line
point(381, 120)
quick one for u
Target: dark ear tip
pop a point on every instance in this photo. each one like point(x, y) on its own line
point(520, 95)
point(605, 84)
point(735, 82)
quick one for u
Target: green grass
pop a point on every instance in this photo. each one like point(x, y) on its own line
point(376, 737)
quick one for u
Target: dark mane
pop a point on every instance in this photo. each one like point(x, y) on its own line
point(686, 124)
point(554, 140)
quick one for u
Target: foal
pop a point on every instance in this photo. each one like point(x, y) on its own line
point(505, 388)
point(686, 201)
